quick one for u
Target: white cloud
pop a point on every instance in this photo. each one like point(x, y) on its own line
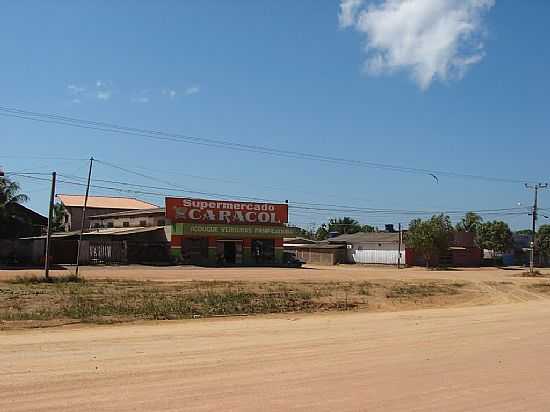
point(433, 39)
point(99, 83)
point(103, 94)
point(348, 12)
point(76, 101)
point(74, 89)
point(192, 90)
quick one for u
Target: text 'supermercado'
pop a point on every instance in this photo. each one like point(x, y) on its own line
point(216, 232)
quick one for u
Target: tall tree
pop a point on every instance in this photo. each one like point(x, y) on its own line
point(322, 232)
point(495, 236)
point(470, 223)
point(368, 228)
point(10, 194)
point(542, 242)
point(430, 238)
point(344, 225)
point(341, 225)
point(58, 217)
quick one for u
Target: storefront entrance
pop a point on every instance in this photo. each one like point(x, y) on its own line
point(195, 251)
point(229, 252)
point(263, 251)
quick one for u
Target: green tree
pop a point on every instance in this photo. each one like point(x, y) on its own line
point(542, 242)
point(430, 238)
point(524, 232)
point(58, 216)
point(322, 232)
point(344, 225)
point(495, 236)
point(471, 223)
point(11, 225)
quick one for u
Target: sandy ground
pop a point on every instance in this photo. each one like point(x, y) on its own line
point(490, 358)
point(339, 272)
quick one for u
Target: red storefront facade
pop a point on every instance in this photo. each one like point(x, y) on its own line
point(220, 232)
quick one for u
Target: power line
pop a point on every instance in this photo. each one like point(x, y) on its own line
point(304, 205)
point(297, 206)
point(318, 205)
point(226, 144)
point(69, 159)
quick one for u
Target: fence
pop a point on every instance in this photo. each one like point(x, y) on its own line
point(107, 252)
point(383, 257)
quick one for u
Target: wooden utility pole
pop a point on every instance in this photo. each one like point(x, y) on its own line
point(83, 216)
point(534, 221)
point(399, 250)
point(49, 232)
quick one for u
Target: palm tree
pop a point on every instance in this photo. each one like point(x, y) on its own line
point(10, 193)
point(470, 223)
point(9, 196)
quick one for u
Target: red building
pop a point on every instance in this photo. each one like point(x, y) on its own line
point(461, 253)
point(220, 232)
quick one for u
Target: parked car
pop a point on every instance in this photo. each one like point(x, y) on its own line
point(290, 259)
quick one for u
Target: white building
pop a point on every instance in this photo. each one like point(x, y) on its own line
point(372, 247)
point(131, 218)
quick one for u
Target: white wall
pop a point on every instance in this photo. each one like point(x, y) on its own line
point(385, 253)
point(133, 221)
point(384, 257)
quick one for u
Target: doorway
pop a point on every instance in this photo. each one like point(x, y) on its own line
point(229, 252)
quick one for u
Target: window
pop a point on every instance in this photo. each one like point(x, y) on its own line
point(263, 250)
point(161, 222)
point(125, 224)
point(143, 223)
point(110, 224)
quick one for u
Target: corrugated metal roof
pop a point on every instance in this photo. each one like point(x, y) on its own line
point(367, 237)
point(298, 240)
point(139, 212)
point(119, 231)
point(315, 246)
point(110, 231)
point(105, 202)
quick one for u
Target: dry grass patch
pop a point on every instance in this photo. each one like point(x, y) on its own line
point(535, 274)
point(31, 299)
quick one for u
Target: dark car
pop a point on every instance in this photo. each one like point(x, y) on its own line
point(290, 259)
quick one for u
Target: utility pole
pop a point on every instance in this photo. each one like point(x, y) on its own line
point(399, 250)
point(49, 232)
point(83, 216)
point(534, 221)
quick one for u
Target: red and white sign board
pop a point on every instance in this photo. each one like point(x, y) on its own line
point(186, 210)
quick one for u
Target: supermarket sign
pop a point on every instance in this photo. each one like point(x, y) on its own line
point(217, 230)
point(186, 210)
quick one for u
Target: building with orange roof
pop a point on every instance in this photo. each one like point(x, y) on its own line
point(73, 206)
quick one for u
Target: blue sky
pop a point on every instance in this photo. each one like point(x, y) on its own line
point(289, 75)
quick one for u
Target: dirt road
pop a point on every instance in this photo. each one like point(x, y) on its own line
point(488, 358)
point(309, 272)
